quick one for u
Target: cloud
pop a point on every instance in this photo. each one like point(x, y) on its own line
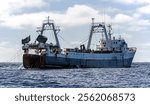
point(131, 23)
point(144, 5)
point(133, 1)
point(125, 1)
point(122, 18)
point(23, 20)
point(10, 6)
point(144, 9)
point(76, 15)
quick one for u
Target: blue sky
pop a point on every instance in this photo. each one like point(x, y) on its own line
point(19, 18)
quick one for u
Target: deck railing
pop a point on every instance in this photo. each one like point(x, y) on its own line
point(132, 49)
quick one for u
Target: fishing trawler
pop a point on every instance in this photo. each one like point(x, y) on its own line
point(110, 53)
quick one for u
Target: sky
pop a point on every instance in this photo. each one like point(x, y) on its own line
point(20, 18)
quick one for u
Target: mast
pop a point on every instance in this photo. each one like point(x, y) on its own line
point(98, 28)
point(90, 36)
point(52, 27)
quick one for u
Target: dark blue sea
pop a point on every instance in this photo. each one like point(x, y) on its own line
point(13, 75)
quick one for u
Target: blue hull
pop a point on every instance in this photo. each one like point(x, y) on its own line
point(37, 61)
point(79, 63)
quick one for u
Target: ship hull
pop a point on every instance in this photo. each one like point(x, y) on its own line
point(79, 63)
point(80, 60)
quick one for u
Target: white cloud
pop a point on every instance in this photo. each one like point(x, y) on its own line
point(142, 22)
point(144, 9)
point(137, 15)
point(76, 15)
point(81, 11)
point(131, 23)
point(133, 1)
point(10, 6)
point(24, 20)
point(125, 1)
point(122, 18)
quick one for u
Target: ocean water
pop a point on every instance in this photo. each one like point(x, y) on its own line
point(13, 75)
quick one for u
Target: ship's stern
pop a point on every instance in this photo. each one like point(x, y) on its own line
point(33, 61)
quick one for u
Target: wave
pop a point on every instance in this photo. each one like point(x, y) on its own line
point(11, 66)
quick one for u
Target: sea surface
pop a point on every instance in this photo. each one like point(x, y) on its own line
point(13, 75)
